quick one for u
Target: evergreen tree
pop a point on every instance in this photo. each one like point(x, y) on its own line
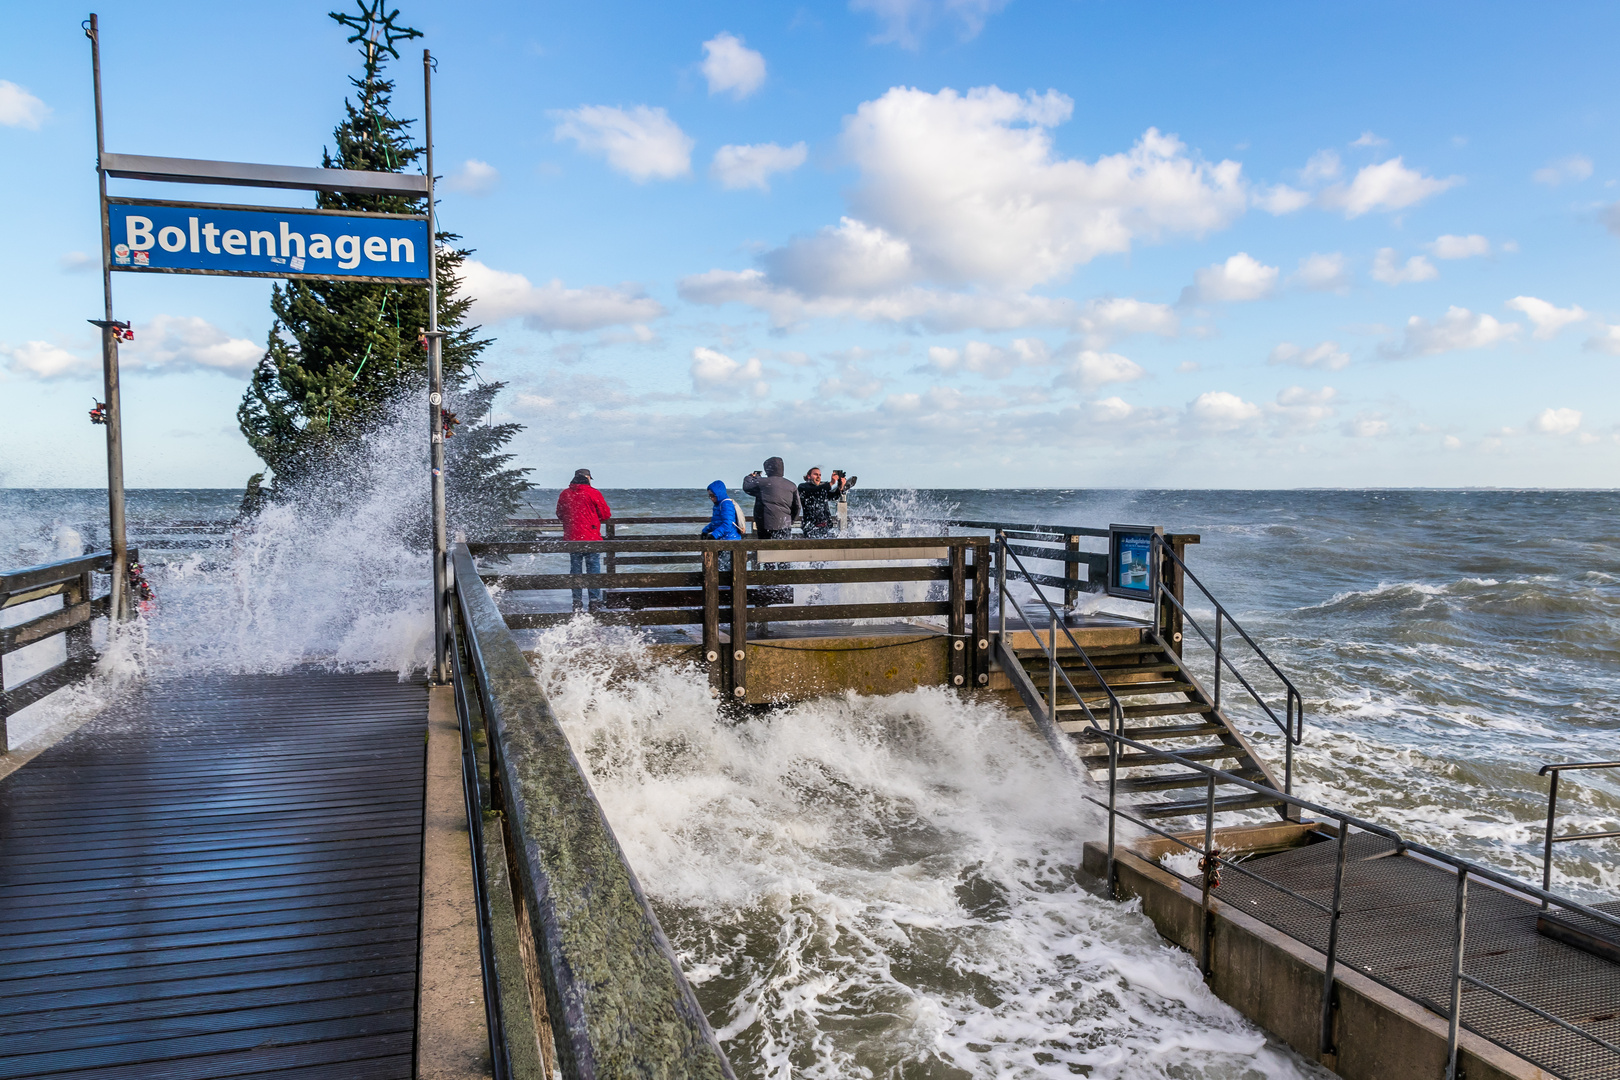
point(340, 353)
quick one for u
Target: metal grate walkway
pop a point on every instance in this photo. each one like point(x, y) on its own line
point(1397, 925)
point(218, 877)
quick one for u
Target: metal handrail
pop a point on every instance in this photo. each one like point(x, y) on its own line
point(1116, 711)
point(604, 962)
point(494, 1016)
point(1464, 868)
point(1293, 728)
point(1554, 770)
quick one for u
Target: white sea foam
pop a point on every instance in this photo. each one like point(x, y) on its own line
point(881, 886)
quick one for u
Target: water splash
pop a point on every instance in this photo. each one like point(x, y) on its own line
point(864, 887)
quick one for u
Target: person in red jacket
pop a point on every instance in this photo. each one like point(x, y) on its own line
point(582, 510)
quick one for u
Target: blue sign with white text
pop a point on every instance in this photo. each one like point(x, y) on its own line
point(194, 239)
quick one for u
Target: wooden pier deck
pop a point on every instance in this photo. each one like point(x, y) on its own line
point(218, 876)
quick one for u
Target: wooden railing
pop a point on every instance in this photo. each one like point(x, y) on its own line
point(74, 581)
point(757, 589)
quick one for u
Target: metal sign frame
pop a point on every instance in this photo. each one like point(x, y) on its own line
point(1149, 588)
point(245, 174)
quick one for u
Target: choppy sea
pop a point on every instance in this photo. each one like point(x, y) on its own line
point(885, 887)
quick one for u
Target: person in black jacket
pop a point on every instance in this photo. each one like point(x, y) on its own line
point(820, 520)
point(776, 501)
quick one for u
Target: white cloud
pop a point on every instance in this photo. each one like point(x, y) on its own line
point(1548, 319)
point(854, 259)
point(1323, 273)
point(1299, 410)
point(1325, 356)
point(164, 344)
point(1322, 167)
point(474, 178)
point(43, 360)
point(19, 108)
point(1389, 185)
point(1606, 340)
point(993, 361)
point(188, 343)
point(1576, 167)
point(1557, 421)
point(1367, 425)
point(1090, 369)
point(641, 142)
point(1368, 139)
point(499, 295)
point(936, 310)
point(971, 183)
point(1187, 367)
point(1111, 410)
point(1458, 329)
point(1388, 268)
point(751, 166)
point(1218, 410)
point(1281, 199)
point(962, 206)
point(78, 262)
point(903, 22)
point(1241, 277)
point(1106, 320)
point(732, 67)
point(715, 371)
point(1460, 247)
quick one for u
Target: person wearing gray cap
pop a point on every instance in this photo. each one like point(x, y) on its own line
point(582, 510)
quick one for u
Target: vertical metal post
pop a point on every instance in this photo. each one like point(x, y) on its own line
point(441, 665)
point(1210, 865)
point(1326, 1043)
point(1071, 571)
point(1218, 657)
point(957, 628)
point(739, 624)
point(1113, 797)
point(981, 613)
point(1456, 975)
point(1001, 589)
point(711, 620)
point(1051, 670)
point(1546, 850)
point(119, 606)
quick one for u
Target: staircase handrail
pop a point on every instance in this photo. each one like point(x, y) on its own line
point(1293, 728)
point(1116, 711)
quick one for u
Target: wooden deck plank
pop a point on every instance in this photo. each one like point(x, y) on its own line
point(218, 877)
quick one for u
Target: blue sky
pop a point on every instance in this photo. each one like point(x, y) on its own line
point(936, 242)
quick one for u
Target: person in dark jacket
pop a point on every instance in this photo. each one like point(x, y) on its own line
point(818, 499)
point(776, 501)
point(726, 521)
point(582, 510)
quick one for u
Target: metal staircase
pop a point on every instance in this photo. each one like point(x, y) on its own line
point(1134, 716)
point(1160, 705)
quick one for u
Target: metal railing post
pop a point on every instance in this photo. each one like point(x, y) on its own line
point(1001, 588)
point(1211, 863)
point(1546, 851)
point(1326, 1043)
point(1113, 810)
point(1051, 670)
point(1455, 1028)
point(1219, 656)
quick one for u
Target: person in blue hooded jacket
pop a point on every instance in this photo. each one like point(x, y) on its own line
point(725, 522)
